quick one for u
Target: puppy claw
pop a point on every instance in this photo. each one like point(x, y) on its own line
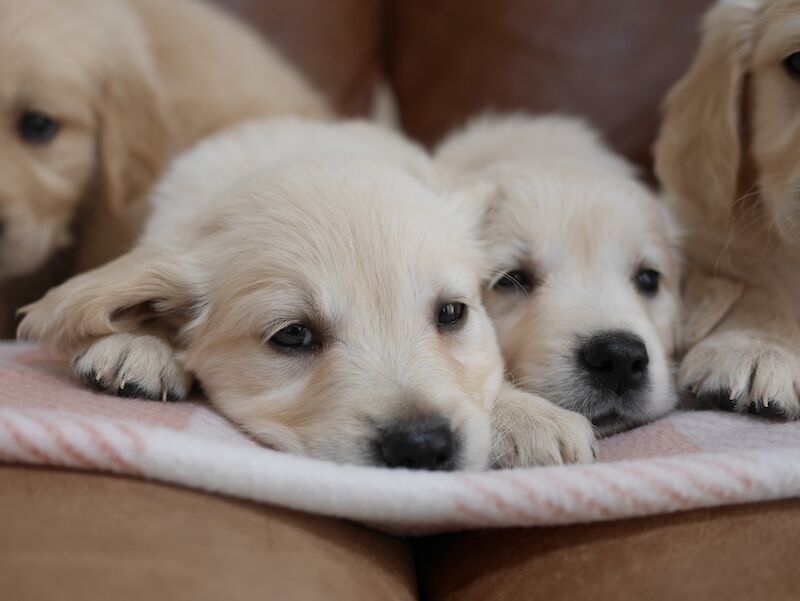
point(133, 366)
point(94, 381)
point(131, 390)
point(735, 372)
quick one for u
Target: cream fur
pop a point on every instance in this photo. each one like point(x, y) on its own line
point(130, 82)
point(343, 228)
point(569, 212)
point(728, 156)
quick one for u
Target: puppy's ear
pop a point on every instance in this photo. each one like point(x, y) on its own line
point(698, 151)
point(134, 132)
point(473, 203)
point(144, 287)
point(706, 299)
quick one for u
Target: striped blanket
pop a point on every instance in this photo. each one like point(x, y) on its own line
point(687, 460)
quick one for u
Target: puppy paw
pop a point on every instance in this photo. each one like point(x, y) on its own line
point(528, 430)
point(741, 372)
point(130, 365)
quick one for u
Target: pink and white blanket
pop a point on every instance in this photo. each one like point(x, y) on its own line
point(687, 460)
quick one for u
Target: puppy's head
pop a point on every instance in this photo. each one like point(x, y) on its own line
point(330, 307)
point(81, 117)
point(731, 130)
point(585, 298)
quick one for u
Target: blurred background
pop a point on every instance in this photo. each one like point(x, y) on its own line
point(610, 61)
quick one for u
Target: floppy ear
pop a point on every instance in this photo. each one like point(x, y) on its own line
point(134, 132)
point(698, 151)
point(473, 202)
point(142, 288)
point(707, 299)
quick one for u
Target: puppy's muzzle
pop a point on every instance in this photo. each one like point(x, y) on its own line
point(418, 444)
point(615, 363)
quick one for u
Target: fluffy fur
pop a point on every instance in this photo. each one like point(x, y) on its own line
point(728, 156)
point(569, 216)
point(127, 83)
point(337, 228)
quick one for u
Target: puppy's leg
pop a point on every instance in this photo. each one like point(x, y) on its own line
point(528, 430)
point(750, 362)
point(133, 365)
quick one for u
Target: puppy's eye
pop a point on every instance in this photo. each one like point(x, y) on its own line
point(294, 336)
point(451, 314)
point(792, 64)
point(516, 280)
point(36, 128)
point(647, 281)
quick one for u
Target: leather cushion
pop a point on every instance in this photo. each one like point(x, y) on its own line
point(611, 62)
point(731, 553)
point(72, 535)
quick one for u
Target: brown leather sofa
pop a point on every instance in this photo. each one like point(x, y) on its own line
point(70, 535)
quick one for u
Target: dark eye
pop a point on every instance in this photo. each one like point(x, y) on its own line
point(450, 314)
point(36, 128)
point(646, 281)
point(792, 64)
point(295, 336)
point(517, 280)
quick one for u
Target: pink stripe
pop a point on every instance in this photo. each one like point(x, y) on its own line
point(103, 445)
point(707, 488)
point(499, 503)
point(136, 440)
point(25, 444)
point(581, 497)
point(665, 488)
point(554, 509)
point(466, 511)
point(640, 505)
point(732, 471)
point(58, 436)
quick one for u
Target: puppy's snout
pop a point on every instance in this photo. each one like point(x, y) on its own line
point(616, 361)
point(422, 444)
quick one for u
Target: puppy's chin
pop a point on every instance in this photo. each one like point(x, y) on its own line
point(609, 413)
point(612, 422)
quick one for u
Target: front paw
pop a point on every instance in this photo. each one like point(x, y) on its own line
point(528, 430)
point(743, 372)
point(130, 365)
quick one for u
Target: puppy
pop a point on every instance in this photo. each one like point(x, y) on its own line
point(728, 156)
point(585, 291)
point(96, 97)
point(326, 296)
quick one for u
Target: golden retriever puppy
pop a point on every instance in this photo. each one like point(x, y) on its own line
point(326, 297)
point(96, 96)
point(728, 157)
point(585, 287)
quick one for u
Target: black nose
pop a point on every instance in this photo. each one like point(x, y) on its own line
point(423, 444)
point(616, 361)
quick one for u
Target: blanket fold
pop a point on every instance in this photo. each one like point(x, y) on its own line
point(684, 461)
